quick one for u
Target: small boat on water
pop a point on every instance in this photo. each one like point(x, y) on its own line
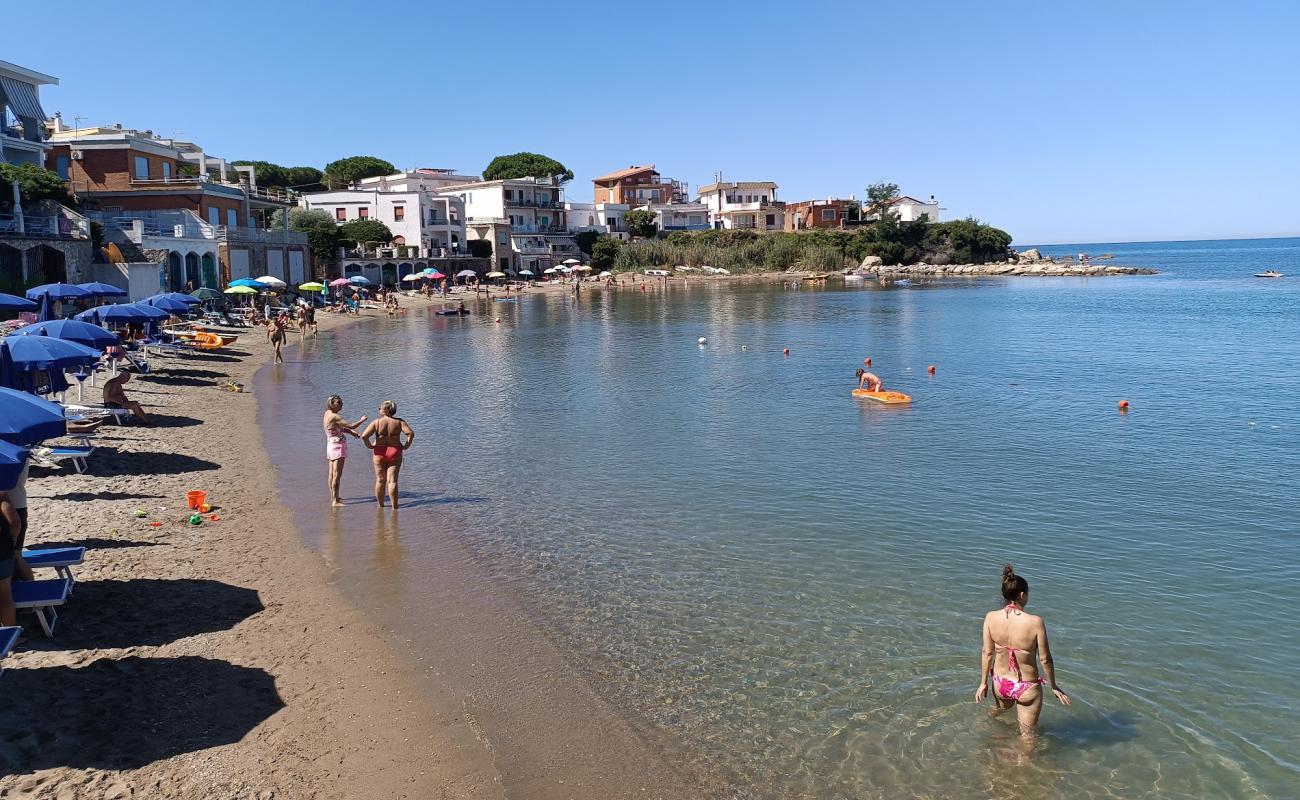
point(1269, 273)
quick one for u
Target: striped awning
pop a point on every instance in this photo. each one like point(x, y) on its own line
point(22, 98)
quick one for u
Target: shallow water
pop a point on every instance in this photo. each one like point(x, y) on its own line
point(787, 584)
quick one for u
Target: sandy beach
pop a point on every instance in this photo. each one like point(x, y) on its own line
point(210, 661)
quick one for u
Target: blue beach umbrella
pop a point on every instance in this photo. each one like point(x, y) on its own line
point(359, 280)
point(28, 353)
point(102, 289)
point(14, 303)
point(26, 419)
point(58, 291)
point(249, 282)
point(151, 312)
point(116, 313)
point(187, 299)
point(12, 459)
point(71, 330)
point(167, 304)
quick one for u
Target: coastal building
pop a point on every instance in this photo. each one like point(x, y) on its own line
point(828, 213)
point(745, 205)
point(909, 209)
point(207, 222)
point(606, 218)
point(638, 186)
point(523, 218)
point(680, 216)
point(41, 242)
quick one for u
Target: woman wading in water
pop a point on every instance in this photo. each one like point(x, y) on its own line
point(384, 438)
point(337, 430)
point(1012, 640)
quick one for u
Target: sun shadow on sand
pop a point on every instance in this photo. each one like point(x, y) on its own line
point(104, 495)
point(174, 421)
point(188, 373)
point(126, 713)
point(168, 380)
point(147, 611)
point(146, 463)
point(90, 543)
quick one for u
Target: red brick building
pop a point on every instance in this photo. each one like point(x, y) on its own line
point(830, 213)
point(638, 186)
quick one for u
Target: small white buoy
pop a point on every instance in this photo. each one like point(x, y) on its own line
point(703, 340)
point(743, 348)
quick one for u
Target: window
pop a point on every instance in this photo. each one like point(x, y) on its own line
point(828, 215)
point(232, 217)
point(363, 212)
point(61, 166)
point(771, 220)
point(399, 213)
point(340, 215)
point(141, 168)
point(214, 215)
point(167, 170)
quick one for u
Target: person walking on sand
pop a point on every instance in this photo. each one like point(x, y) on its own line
point(1015, 644)
point(384, 438)
point(277, 337)
point(337, 430)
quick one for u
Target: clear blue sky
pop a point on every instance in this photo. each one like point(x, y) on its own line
point(1080, 122)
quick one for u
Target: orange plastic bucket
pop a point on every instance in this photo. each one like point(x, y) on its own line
point(195, 498)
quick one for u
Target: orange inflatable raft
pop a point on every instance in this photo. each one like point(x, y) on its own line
point(888, 398)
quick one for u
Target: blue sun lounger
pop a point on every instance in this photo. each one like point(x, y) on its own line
point(8, 638)
point(43, 597)
point(59, 559)
point(76, 455)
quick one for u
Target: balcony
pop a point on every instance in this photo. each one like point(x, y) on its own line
point(699, 226)
point(530, 228)
point(48, 225)
point(531, 202)
point(221, 187)
point(242, 234)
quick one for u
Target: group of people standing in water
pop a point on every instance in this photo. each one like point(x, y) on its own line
point(387, 438)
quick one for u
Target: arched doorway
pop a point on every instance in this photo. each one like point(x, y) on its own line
point(191, 272)
point(47, 265)
point(209, 270)
point(175, 272)
point(11, 270)
point(388, 274)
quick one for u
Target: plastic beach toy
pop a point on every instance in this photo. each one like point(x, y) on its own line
point(205, 508)
point(195, 519)
point(195, 498)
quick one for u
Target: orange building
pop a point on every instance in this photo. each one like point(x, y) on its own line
point(638, 186)
point(829, 213)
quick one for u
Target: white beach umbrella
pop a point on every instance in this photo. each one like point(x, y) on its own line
point(570, 261)
point(549, 271)
point(605, 274)
point(414, 276)
point(269, 280)
point(584, 268)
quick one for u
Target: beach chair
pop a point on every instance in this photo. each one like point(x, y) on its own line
point(59, 559)
point(96, 410)
point(43, 598)
point(8, 638)
point(54, 456)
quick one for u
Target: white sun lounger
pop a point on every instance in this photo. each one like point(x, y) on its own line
point(98, 410)
point(43, 597)
point(8, 638)
point(59, 559)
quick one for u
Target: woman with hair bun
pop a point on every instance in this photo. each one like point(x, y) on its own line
point(1012, 639)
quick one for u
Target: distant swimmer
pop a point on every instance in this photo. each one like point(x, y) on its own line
point(869, 381)
point(1015, 650)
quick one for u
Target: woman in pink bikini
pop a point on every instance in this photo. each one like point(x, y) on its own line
point(384, 438)
point(1012, 639)
point(337, 430)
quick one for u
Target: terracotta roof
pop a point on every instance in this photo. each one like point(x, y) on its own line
point(712, 187)
point(623, 173)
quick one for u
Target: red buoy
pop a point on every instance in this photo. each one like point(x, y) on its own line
point(1123, 406)
point(866, 361)
point(786, 351)
point(930, 369)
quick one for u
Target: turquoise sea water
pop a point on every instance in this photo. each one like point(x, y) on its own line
point(788, 584)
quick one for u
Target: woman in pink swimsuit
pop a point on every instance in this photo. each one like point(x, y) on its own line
point(1012, 638)
point(337, 430)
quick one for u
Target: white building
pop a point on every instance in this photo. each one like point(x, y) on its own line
point(22, 119)
point(426, 179)
point(909, 209)
point(743, 205)
point(680, 216)
point(524, 218)
point(606, 218)
point(426, 223)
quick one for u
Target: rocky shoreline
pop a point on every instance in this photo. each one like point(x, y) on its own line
point(1030, 262)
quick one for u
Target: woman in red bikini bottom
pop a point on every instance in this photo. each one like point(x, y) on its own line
point(1021, 636)
point(384, 438)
